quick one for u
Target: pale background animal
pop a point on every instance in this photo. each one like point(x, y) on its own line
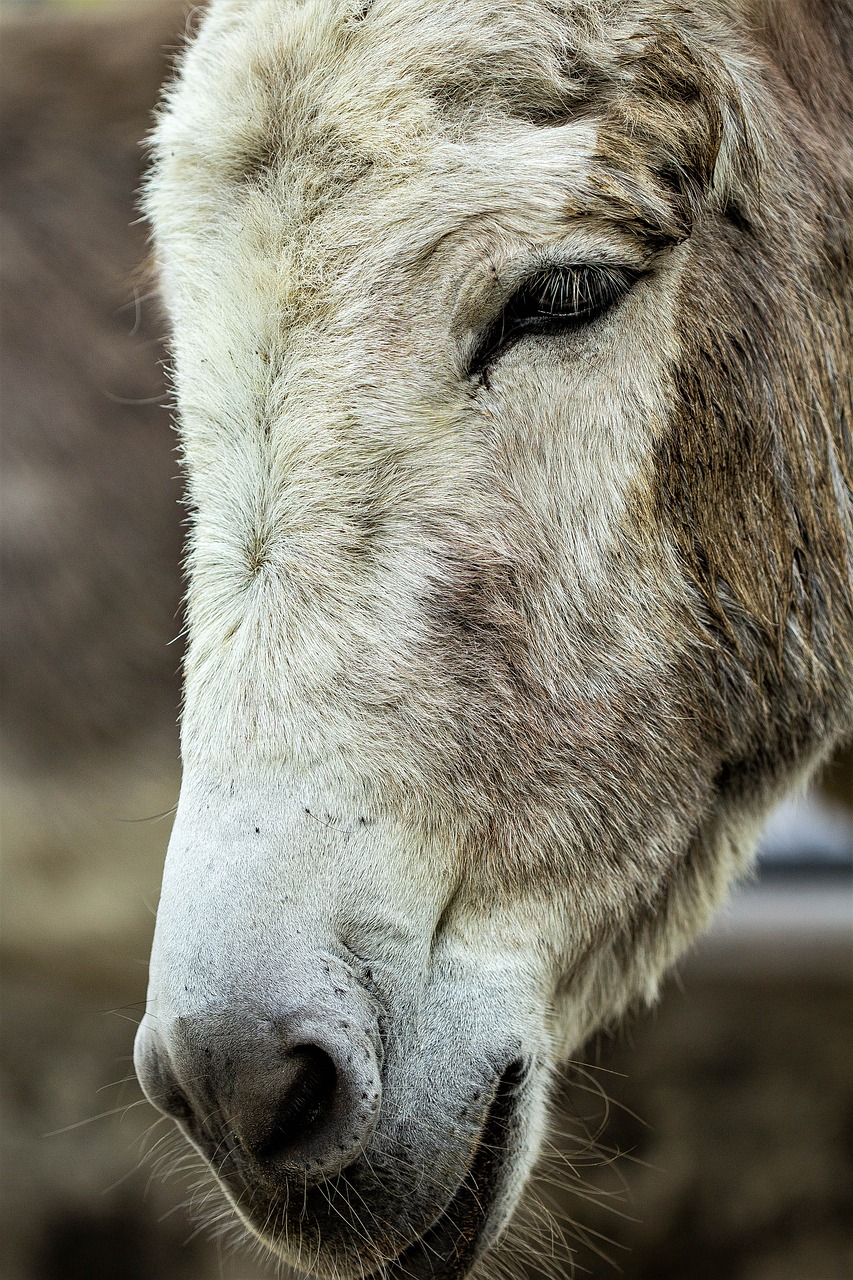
point(79, 760)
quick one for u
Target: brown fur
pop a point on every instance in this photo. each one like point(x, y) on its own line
point(756, 477)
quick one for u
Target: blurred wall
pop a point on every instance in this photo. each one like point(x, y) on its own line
point(732, 1101)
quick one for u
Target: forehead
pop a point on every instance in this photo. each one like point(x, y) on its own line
point(320, 122)
point(307, 138)
point(376, 78)
point(308, 103)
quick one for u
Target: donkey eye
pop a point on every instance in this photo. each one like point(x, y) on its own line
point(552, 302)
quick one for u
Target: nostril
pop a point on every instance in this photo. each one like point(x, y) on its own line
point(175, 1103)
point(314, 1088)
point(305, 1105)
point(295, 1095)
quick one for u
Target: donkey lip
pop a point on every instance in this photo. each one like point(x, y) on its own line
point(451, 1245)
point(456, 1237)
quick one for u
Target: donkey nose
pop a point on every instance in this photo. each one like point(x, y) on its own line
point(286, 1096)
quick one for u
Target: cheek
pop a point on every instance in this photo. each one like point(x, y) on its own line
point(568, 448)
point(583, 751)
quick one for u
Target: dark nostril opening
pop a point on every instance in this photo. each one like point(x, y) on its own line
point(176, 1104)
point(267, 1097)
point(305, 1104)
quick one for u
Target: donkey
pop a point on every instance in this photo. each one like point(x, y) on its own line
point(512, 354)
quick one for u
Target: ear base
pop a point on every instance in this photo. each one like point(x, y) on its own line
point(675, 140)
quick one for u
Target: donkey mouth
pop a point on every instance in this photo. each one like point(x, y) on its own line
point(451, 1246)
point(457, 1236)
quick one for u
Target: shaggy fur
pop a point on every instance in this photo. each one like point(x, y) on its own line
point(539, 642)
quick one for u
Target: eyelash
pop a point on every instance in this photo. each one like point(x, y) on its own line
point(554, 301)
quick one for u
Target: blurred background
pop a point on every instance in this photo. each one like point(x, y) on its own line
point(711, 1139)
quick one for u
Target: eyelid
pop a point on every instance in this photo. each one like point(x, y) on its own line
point(489, 341)
point(497, 266)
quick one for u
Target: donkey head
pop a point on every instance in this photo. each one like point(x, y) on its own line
point(507, 610)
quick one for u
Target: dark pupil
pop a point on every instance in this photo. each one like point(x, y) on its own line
point(554, 301)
